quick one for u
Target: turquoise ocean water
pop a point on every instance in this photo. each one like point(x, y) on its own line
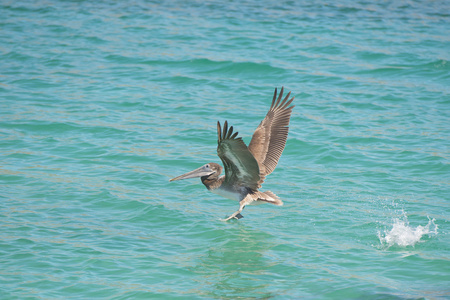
point(101, 102)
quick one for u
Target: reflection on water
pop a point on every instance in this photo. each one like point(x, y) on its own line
point(237, 264)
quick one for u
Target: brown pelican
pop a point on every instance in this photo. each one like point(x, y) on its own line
point(247, 167)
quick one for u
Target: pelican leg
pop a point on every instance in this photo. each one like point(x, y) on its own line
point(237, 215)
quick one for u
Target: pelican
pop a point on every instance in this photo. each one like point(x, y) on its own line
point(247, 167)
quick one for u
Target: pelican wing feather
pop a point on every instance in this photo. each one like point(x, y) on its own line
point(241, 167)
point(269, 139)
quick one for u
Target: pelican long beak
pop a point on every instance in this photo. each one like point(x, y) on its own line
point(200, 172)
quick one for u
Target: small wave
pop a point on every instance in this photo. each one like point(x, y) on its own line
point(403, 234)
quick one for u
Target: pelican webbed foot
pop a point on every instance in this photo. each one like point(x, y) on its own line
point(237, 217)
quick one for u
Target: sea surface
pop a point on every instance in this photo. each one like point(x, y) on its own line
point(102, 102)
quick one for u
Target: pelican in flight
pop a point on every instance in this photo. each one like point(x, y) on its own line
point(247, 167)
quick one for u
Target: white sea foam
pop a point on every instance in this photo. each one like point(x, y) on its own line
point(403, 234)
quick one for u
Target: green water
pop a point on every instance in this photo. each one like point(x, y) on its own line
point(102, 102)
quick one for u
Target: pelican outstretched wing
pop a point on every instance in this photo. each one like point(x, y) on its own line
point(269, 138)
point(241, 167)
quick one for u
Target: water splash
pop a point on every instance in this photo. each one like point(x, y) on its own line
point(403, 234)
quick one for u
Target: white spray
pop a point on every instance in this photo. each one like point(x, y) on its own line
point(403, 234)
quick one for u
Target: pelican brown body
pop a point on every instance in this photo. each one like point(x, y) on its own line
point(247, 167)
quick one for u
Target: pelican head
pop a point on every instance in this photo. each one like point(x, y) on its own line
point(211, 170)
